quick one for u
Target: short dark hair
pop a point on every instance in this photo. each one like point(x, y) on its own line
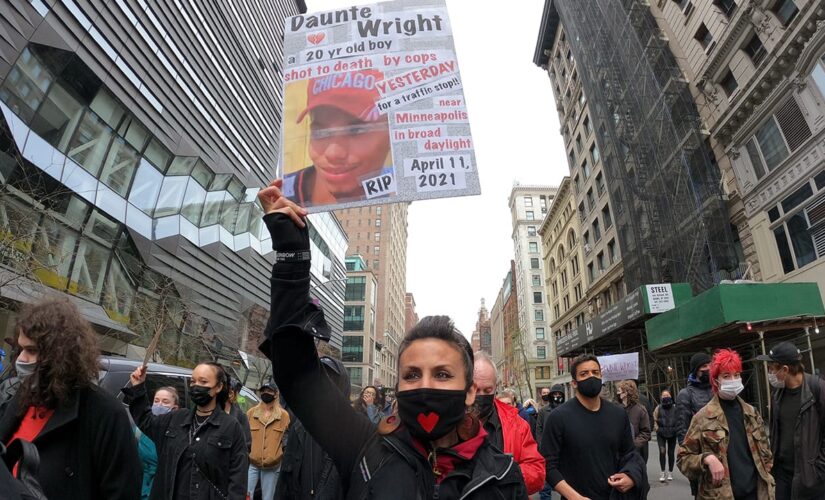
point(582, 358)
point(442, 328)
point(223, 378)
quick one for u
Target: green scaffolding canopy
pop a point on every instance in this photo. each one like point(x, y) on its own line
point(720, 316)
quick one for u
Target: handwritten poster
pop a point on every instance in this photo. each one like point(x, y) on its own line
point(620, 366)
point(374, 110)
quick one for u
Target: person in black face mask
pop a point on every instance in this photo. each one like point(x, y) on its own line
point(664, 425)
point(553, 397)
point(202, 452)
point(693, 398)
point(435, 446)
point(588, 442)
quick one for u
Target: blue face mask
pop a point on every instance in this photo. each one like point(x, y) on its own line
point(159, 409)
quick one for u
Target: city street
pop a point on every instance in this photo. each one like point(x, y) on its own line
point(677, 489)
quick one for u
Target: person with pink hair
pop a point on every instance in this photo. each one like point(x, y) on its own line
point(726, 447)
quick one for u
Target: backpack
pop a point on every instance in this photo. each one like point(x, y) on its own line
point(26, 486)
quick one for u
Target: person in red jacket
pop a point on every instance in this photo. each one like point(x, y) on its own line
point(506, 430)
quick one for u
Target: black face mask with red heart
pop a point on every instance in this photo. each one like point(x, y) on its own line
point(430, 414)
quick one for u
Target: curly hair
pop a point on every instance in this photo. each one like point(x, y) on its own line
point(629, 388)
point(724, 360)
point(67, 358)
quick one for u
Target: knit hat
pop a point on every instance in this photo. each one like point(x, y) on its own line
point(697, 360)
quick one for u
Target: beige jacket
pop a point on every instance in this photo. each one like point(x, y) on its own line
point(267, 436)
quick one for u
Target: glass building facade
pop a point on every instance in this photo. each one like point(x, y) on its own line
point(130, 165)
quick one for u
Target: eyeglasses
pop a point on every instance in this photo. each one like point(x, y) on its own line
point(349, 130)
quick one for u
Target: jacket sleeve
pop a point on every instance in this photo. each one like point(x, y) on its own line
point(643, 436)
point(118, 469)
point(530, 461)
point(239, 465)
point(690, 454)
point(247, 431)
point(552, 442)
point(310, 393)
point(656, 419)
point(542, 415)
point(683, 414)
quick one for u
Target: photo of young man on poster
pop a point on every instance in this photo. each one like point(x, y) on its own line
point(347, 145)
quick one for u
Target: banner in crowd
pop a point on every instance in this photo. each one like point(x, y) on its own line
point(620, 367)
point(374, 110)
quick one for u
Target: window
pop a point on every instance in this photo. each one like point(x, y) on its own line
point(534, 263)
point(377, 237)
point(541, 352)
point(608, 221)
point(528, 201)
point(555, 288)
point(586, 169)
point(611, 251)
point(754, 49)
point(588, 126)
point(786, 11)
point(726, 6)
point(543, 201)
point(600, 260)
point(594, 154)
point(577, 292)
point(572, 157)
point(538, 315)
point(597, 233)
point(356, 288)
point(536, 297)
point(578, 183)
point(794, 235)
point(729, 83)
point(377, 210)
point(586, 239)
point(375, 265)
point(575, 264)
point(556, 311)
point(539, 333)
point(590, 272)
point(797, 197)
point(531, 230)
point(533, 247)
point(530, 215)
point(579, 143)
point(566, 302)
point(703, 36)
point(376, 250)
point(536, 280)
point(352, 350)
point(543, 372)
point(377, 222)
point(766, 149)
point(564, 278)
point(353, 318)
point(591, 201)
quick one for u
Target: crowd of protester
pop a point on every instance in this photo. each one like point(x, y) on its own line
point(449, 429)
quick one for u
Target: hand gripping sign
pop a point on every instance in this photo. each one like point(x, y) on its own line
point(374, 110)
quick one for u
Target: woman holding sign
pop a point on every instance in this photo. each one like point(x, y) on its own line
point(435, 446)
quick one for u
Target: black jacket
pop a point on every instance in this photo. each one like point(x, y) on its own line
point(665, 421)
point(372, 465)
point(690, 400)
point(87, 449)
point(635, 467)
point(808, 441)
point(306, 469)
point(238, 414)
point(219, 450)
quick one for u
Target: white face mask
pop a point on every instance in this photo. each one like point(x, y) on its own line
point(729, 389)
point(775, 382)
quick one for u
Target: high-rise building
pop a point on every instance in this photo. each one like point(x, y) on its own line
point(135, 138)
point(410, 316)
point(497, 332)
point(528, 207)
point(359, 345)
point(379, 235)
point(757, 74)
point(611, 66)
point(482, 337)
point(566, 285)
point(515, 369)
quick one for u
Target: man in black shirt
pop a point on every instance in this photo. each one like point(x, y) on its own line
point(797, 437)
point(588, 443)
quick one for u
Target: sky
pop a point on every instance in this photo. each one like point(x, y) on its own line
point(459, 249)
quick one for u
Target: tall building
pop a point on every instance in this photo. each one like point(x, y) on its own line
point(515, 369)
point(497, 332)
point(379, 235)
point(565, 284)
point(410, 316)
point(482, 336)
point(611, 61)
point(757, 73)
point(360, 345)
point(528, 207)
point(136, 137)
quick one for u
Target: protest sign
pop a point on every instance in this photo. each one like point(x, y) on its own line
point(374, 110)
point(620, 367)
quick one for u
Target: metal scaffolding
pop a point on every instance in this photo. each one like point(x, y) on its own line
point(663, 183)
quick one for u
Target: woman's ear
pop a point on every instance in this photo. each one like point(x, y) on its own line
point(471, 395)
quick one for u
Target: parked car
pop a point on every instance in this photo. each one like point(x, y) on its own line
point(115, 371)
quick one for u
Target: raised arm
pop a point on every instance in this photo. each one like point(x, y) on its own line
point(290, 339)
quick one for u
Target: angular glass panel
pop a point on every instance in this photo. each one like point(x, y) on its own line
point(146, 187)
point(803, 243)
point(89, 270)
point(90, 143)
point(119, 167)
point(202, 174)
point(229, 213)
point(171, 196)
point(26, 85)
point(103, 227)
point(119, 293)
point(771, 144)
point(167, 226)
point(220, 182)
point(17, 226)
point(182, 165)
point(189, 231)
point(242, 224)
point(137, 135)
point(52, 253)
point(108, 108)
point(111, 203)
point(79, 181)
point(193, 202)
point(138, 221)
point(212, 208)
point(57, 118)
point(158, 155)
point(236, 189)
